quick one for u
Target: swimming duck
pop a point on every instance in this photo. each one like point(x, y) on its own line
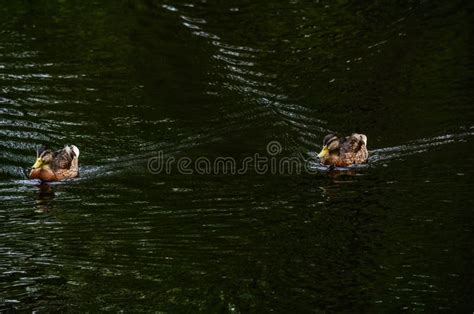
point(344, 151)
point(56, 166)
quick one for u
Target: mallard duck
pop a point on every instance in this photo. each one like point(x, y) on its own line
point(56, 166)
point(344, 151)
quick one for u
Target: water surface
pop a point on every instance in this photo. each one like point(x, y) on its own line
point(126, 80)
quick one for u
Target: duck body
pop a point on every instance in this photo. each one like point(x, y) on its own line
point(344, 151)
point(56, 165)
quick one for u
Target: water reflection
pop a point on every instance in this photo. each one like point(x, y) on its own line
point(45, 198)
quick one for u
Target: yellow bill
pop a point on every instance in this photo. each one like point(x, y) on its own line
point(38, 163)
point(323, 152)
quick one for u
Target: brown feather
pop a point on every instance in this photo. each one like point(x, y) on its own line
point(346, 151)
point(59, 165)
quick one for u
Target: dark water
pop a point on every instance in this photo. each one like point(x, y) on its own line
point(125, 80)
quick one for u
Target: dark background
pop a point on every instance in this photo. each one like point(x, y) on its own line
point(123, 80)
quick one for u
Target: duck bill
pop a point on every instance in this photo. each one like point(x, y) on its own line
point(38, 164)
point(323, 152)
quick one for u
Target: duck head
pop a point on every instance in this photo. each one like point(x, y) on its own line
point(331, 144)
point(44, 158)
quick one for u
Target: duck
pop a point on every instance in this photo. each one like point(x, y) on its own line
point(56, 165)
point(344, 151)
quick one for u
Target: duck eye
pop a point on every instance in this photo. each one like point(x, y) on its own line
point(331, 142)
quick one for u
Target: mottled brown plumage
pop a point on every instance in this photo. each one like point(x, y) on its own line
point(56, 166)
point(344, 151)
